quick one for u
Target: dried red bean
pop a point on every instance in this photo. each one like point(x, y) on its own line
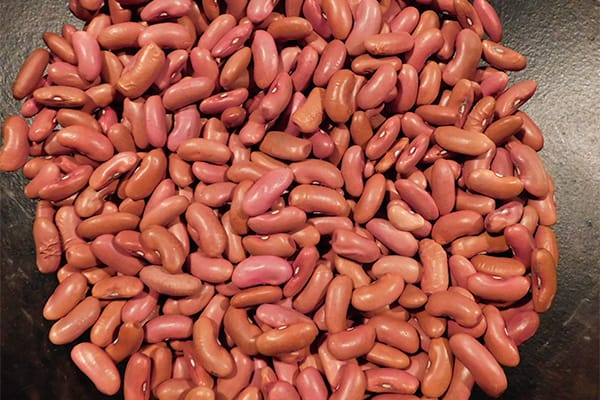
point(301, 231)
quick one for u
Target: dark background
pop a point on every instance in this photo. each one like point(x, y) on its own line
point(561, 41)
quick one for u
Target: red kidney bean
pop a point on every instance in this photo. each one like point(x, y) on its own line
point(181, 284)
point(487, 373)
point(426, 43)
point(402, 243)
point(75, 322)
point(489, 19)
point(286, 339)
point(456, 224)
point(314, 291)
point(65, 297)
point(117, 287)
point(464, 311)
point(260, 270)
point(98, 366)
point(417, 198)
point(544, 279)
point(30, 73)
point(202, 223)
point(368, 20)
point(530, 169)
point(15, 147)
point(310, 384)
point(376, 90)
point(351, 343)
point(136, 379)
point(294, 177)
point(303, 267)
point(266, 190)
point(143, 72)
point(466, 59)
point(388, 380)
point(381, 293)
point(354, 246)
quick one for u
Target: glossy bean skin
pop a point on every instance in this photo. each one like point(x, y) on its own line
point(439, 374)
point(285, 340)
point(544, 279)
point(352, 343)
point(488, 375)
point(379, 294)
point(30, 73)
point(98, 366)
point(496, 340)
point(468, 53)
point(215, 359)
point(338, 97)
point(388, 380)
point(143, 73)
point(281, 143)
point(65, 297)
point(367, 22)
point(463, 310)
point(75, 322)
point(170, 284)
point(136, 379)
point(261, 269)
point(15, 148)
point(204, 222)
point(310, 384)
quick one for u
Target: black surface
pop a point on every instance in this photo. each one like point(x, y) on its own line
point(561, 42)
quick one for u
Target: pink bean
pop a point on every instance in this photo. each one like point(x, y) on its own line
point(266, 190)
point(489, 19)
point(266, 66)
point(257, 270)
point(89, 59)
point(426, 44)
point(158, 10)
point(140, 307)
point(232, 41)
point(485, 369)
point(400, 242)
point(98, 366)
point(408, 87)
point(368, 20)
point(186, 126)
point(218, 103)
point(259, 10)
point(168, 327)
point(505, 289)
point(305, 67)
point(310, 384)
point(277, 98)
point(332, 60)
point(375, 91)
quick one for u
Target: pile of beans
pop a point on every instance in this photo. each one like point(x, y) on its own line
point(304, 199)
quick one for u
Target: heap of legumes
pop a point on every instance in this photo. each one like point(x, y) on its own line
point(303, 199)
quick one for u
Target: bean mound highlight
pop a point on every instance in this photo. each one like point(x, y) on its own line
point(303, 199)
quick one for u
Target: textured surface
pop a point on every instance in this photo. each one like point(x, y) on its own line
point(562, 43)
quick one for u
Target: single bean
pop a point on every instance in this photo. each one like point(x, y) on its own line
point(381, 293)
point(389, 380)
point(488, 375)
point(98, 366)
point(181, 284)
point(75, 322)
point(117, 287)
point(286, 339)
point(143, 72)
